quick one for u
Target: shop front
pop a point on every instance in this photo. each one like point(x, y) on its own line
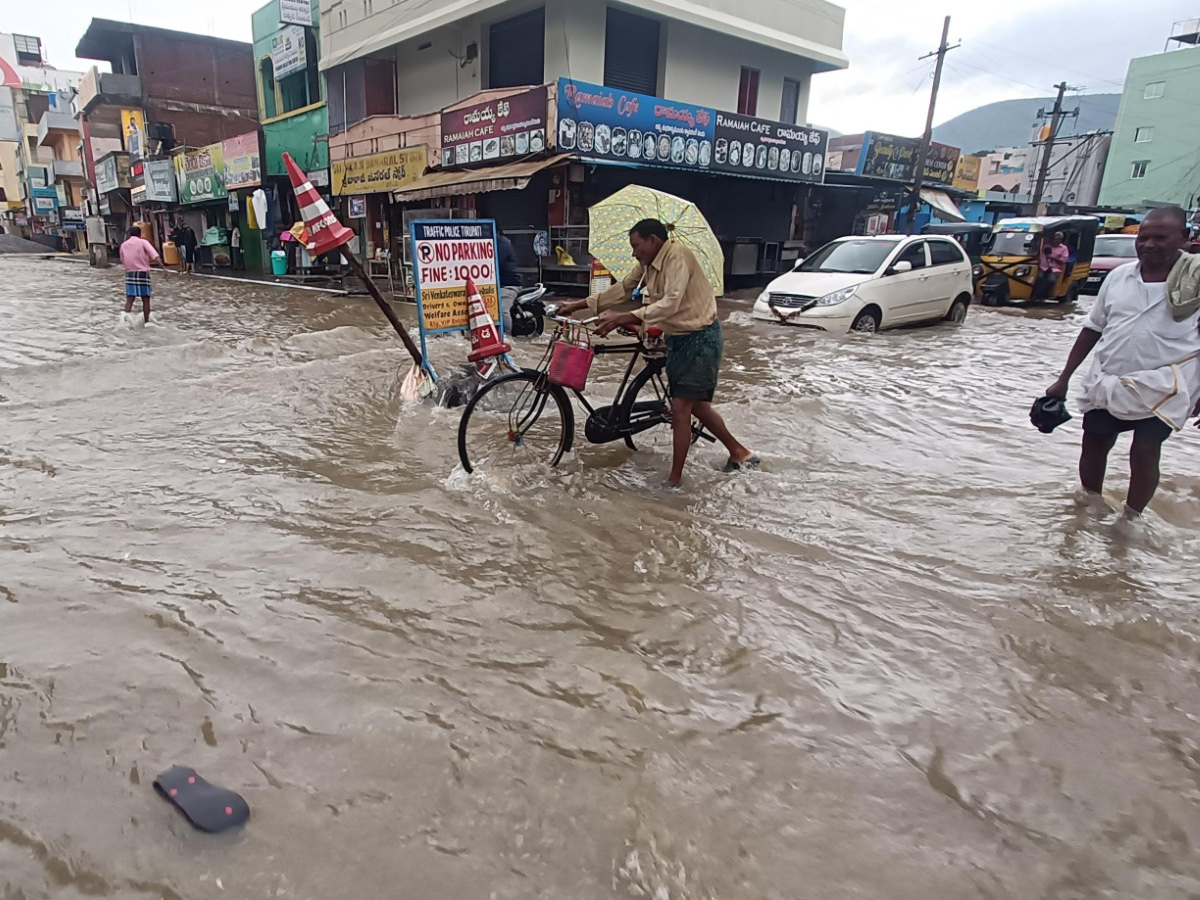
point(155, 195)
point(242, 158)
point(204, 202)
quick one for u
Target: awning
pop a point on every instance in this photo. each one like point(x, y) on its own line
point(511, 177)
point(942, 203)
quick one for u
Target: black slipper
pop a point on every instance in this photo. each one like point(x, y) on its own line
point(745, 465)
point(206, 806)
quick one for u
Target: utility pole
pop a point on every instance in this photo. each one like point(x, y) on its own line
point(1048, 148)
point(927, 138)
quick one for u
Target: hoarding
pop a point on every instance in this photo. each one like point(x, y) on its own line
point(380, 172)
point(295, 12)
point(159, 177)
point(748, 146)
point(609, 124)
point(289, 52)
point(133, 132)
point(508, 128)
point(966, 175)
point(892, 157)
point(200, 175)
point(45, 201)
point(106, 174)
point(243, 163)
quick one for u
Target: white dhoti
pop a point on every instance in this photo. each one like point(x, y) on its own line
point(1169, 393)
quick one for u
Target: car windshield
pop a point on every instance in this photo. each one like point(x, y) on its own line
point(862, 257)
point(1012, 243)
point(1121, 247)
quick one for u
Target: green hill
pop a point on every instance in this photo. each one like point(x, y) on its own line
point(1009, 123)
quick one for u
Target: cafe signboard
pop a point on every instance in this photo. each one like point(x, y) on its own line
point(504, 129)
point(766, 149)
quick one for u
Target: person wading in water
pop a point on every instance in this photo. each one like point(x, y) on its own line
point(677, 298)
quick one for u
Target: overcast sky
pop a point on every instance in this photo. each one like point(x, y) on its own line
point(1017, 48)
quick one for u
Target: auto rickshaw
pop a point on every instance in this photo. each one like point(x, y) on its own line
point(973, 236)
point(1008, 270)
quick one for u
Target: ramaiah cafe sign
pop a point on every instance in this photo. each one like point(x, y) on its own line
point(379, 173)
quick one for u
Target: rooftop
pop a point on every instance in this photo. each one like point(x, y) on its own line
point(106, 38)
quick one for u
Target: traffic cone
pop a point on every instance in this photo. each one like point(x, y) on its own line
point(485, 340)
point(325, 232)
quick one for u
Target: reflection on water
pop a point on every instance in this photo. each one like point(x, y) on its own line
point(904, 660)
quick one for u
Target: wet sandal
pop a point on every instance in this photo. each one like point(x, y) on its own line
point(746, 465)
point(206, 806)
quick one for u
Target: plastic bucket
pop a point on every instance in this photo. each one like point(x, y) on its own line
point(278, 262)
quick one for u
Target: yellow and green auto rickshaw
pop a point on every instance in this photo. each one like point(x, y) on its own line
point(1008, 269)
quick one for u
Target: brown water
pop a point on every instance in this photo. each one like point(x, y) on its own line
point(903, 661)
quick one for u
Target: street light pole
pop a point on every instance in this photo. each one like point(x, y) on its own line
point(927, 136)
point(1048, 148)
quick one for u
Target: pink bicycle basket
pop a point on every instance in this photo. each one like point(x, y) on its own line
point(570, 364)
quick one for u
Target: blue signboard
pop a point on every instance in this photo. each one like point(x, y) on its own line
point(608, 124)
point(45, 200)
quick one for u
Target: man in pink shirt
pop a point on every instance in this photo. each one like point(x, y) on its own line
point(1052, 263)
point(137, 256)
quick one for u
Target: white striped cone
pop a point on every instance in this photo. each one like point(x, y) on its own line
point(485, 340)
point(325, 232)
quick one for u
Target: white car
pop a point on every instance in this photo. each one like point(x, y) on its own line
point(869, 283)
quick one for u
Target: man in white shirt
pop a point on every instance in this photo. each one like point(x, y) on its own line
point(1146, 374)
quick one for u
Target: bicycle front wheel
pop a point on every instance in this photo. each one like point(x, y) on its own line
point(518, 421)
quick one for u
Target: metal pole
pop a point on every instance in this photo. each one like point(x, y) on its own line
point(927, 136)
point(384, 306)
point(1048, 148)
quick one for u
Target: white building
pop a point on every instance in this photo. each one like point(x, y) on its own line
point(1076, 169)
point(756, 57)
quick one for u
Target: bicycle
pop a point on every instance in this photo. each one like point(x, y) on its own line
point(525, 419)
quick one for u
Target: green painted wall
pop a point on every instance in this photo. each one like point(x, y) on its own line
point(1172, 156)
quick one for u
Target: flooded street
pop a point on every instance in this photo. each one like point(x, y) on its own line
point(905, 660)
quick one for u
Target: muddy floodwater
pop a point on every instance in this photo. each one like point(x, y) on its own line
point(905, 660)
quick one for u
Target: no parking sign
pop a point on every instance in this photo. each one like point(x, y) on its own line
point(445, 255)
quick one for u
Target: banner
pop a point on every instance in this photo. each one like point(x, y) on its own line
point(966, 176)
point(45, 201)
point(159, 176)
point(289, 53)
point(889, 156)
point(200, 175)
point(445, 255)
point(499, 129)
point(243, 165)
point(296, 12)
point(381, 172)
point(766, 149)
point(112, 172)
point(609, 124)
point(133, 131)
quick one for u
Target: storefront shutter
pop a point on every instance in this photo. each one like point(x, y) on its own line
point(517, 50)
point(631, 47)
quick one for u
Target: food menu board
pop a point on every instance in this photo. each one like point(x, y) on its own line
point(765, 149)
point(609, 124)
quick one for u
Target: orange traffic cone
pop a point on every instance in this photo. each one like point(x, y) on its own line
point(485, 340)
point(325, 232)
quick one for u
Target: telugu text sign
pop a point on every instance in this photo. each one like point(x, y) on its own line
point(289, 52)
point(381, 172)
point(296, 12)
point(765, 149)
point(498, 129)
point(445, 256)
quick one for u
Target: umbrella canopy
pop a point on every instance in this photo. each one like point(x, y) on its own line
point(611, 219)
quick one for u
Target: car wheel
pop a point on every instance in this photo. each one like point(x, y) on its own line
point(958, 311)
point(867, 322)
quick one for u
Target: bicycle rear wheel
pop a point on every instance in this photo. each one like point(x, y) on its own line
point(648, 406)
point(518, 421)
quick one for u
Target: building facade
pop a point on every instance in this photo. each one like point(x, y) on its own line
point(37, 147)
point(507, 86)
point(1077, 166)
point(1155, 154)
point(171, 97)
point(292, 110)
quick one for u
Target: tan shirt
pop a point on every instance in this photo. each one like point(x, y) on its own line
point(676, 295)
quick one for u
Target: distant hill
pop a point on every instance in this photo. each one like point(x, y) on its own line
point(1009, 123)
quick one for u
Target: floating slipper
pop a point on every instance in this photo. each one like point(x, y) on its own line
point(745, 466)
point(206, 806)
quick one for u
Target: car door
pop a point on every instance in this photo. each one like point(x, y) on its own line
point(903, 295)
point(949, 270)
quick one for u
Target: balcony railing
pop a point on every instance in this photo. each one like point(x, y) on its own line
point(64, 168)
point(109, 88)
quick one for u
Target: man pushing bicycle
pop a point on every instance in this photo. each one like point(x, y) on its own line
point(676, 297)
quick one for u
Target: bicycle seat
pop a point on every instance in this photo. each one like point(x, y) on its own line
point(654, 332)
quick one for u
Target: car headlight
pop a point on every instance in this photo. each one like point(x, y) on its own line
point(764, 297)
point(837, 297)
point(1022, 271)
point(976, 271)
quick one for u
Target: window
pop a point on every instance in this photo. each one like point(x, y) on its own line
point(29, 50)
point(748, 92)
point(631, 52)
point(944, 253)
point(266, 69)
point(1144, 135)
point(1139, 169)
point(517, 50)
point(915, 254)
point(789, 106)
point(1154, 90)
